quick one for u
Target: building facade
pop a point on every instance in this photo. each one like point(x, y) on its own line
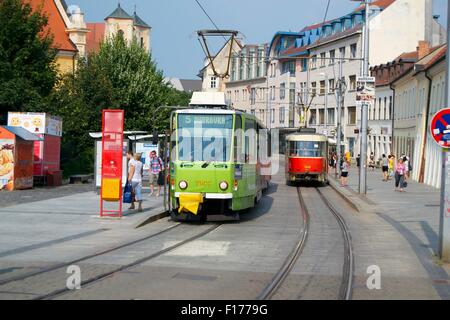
point(59, 25)
point(303, 70)
point(218, 65)
point(419, 94)
point(381, 112)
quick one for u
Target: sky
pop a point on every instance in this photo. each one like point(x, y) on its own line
point(175, 47)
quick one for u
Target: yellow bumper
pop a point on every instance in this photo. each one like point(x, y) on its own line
point(190, 202)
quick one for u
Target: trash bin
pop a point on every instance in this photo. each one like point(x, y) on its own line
point(54, 178)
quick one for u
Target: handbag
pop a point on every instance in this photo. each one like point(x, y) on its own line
point(161, 178)
point(405, 184)
point(128, 193)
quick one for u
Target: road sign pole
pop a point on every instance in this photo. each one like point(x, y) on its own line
point(444, 222)
point(365, 106)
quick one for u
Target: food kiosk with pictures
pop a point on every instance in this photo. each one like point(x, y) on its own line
point(46, 164)
point(16, 158)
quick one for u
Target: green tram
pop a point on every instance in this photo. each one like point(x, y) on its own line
point(215, 167)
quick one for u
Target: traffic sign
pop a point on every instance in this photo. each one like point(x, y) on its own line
point(440, 128)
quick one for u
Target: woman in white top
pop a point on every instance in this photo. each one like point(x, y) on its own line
point(135, 178)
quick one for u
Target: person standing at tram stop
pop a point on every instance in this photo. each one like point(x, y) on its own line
point(399, 175)
point(135, 178)
point(385, 167)
point(156, 166)
point(344, 172)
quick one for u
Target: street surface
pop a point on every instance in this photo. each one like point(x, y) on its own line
point(233, 260)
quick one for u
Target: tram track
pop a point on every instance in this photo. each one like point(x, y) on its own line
point(345, 289)
point(290, 261)
point(127, 266)
point(103, 275)
point(87, 257)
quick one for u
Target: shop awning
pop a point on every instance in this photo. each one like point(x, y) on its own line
point(23, 133)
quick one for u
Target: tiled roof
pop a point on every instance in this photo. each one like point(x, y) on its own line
point(139, 22)
point(56, 25)
point(119, 13)
point(378, 3)
point(434, 57)
point(293, 51)
point(337, 35)
point(95, 36)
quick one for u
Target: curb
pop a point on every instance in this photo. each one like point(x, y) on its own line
point(344, 196)
point(152, 218)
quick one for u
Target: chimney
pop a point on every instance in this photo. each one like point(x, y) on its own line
point(423, 49)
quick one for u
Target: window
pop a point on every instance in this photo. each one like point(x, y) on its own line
point(322, 59)
point(282, 91)
point(288, 66)
point(312, 117)
point(353, 51)
point(331, 86)
point(314, 62)
point(252, 96)
point(304, 64)
point(292, 93)
point(142, 42)
point(321, 116)
point(250, 64)
point(282, 115)
point(272, 115)
point(213, 82)
point(260, 65)
point(253, 111)
point(238, 140)
point(332, 56)
point(352, 80)
point(351, 115)
point(342, 53)
point(241, 67)
point(331, 113)
point(313, 88)
point(322, 87)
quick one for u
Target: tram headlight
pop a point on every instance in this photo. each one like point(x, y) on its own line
point(223, 185)
point(182, 184)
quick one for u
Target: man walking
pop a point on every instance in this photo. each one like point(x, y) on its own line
point(156, 167)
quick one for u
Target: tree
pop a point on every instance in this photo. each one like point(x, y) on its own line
point(120, 76)
point(27, 59)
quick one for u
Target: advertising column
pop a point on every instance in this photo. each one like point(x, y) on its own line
point(112, 142)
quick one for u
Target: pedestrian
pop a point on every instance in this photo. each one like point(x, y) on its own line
point(358, 160)
point(399, 175)
point(344, 172)
point(391, 166)
point(331, 162)
point(372, 161)
point(385, 167)
point(135, 178)
point(407, 167)
point(156, 167)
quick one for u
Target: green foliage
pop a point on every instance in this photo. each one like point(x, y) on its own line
point(119, 76)
point(27, 60)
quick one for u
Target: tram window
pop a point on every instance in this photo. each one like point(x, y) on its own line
point(250, 141)
point(238, 139)
point(307, 149)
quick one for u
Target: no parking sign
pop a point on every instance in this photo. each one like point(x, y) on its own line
point(440, 128)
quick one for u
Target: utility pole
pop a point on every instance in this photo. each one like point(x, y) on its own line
point(444, 221)
point(340, 95)
point(364, 108)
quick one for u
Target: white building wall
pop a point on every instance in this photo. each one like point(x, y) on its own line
point(399, 28)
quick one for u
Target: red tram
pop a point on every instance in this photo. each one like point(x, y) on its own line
point(307, 157)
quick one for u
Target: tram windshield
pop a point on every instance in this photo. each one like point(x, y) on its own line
point(204, 137)
point(307, 149)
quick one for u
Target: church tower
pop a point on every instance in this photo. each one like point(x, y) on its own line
point(131, 27)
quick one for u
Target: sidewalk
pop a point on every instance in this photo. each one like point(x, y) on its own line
point(40, 224)
point(413, 213)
